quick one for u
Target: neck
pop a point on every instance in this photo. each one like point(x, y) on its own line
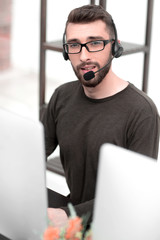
point(110, 85)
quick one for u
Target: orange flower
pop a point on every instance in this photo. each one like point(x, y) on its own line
point(74, 226)
point(51, 233)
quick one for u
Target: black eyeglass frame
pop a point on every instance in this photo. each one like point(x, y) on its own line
point(105, 42)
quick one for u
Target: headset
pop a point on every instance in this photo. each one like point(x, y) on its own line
point(117, 48)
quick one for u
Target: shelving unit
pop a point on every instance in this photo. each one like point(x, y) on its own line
point(129, 48)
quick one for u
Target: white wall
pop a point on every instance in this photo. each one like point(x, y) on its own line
point(129, 17)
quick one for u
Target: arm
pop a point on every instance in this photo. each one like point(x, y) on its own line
point(144, 138)
point(48, 122)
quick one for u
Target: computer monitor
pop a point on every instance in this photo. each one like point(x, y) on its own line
point(127, 204)
point(23, 197)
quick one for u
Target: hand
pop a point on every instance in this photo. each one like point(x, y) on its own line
point(57, 216)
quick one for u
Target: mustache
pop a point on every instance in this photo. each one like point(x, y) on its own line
point(87, 63)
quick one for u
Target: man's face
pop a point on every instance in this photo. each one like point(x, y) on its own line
point(89, 61)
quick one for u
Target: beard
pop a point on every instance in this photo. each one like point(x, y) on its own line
point(99, 76)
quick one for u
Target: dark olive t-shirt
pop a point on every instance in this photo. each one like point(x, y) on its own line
point(80, 125)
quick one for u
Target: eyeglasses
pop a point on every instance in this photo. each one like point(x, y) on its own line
point(92, 46)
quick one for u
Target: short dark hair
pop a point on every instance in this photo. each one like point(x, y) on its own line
point(91, 13)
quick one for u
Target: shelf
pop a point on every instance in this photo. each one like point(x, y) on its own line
point(54, 46)
point(129, 48)
point(55, 165)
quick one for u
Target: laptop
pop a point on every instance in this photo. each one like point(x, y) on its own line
point(23, 197)
point(127, 204)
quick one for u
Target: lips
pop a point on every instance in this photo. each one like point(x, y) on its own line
point(87, 68)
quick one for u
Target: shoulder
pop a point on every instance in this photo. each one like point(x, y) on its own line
point(69, 86)
point(139, 99)
point(65, 89)
point(64, 93)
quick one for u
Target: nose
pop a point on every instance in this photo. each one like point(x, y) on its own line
point(84, 54)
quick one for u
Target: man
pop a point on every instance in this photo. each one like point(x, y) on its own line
point(84, 114)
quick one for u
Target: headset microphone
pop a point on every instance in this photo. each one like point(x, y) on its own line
point(89, 75)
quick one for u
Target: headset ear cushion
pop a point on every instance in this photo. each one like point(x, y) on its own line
point(65, 55)
point(117, 49)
